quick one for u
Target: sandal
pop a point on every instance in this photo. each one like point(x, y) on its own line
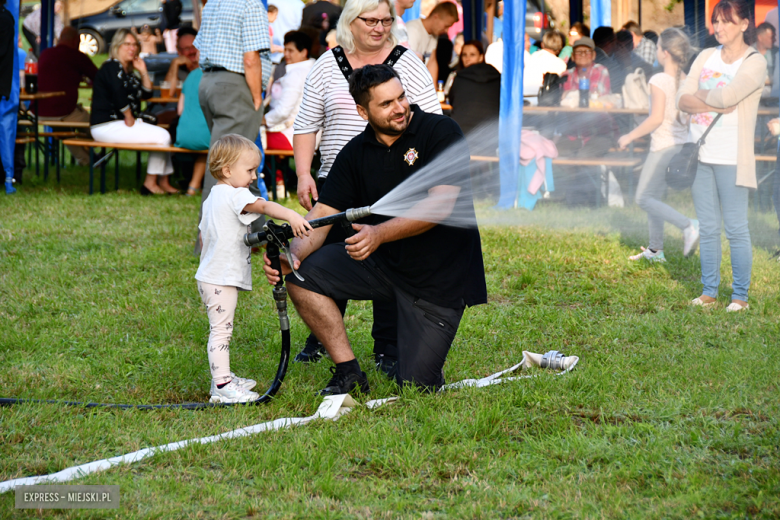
point(192, 191)
point(736, 307)
point(701, 303)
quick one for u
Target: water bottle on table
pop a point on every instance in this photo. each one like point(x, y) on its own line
point(584, 90)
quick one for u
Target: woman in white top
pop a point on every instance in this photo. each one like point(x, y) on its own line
point(366, 36)
point(723, 79)
point(668, 129)
point(287, 91)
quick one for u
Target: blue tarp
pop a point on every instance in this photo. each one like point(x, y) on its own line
point(8, 111)
point(412, 14)
point(511, 115)
point(600, 14)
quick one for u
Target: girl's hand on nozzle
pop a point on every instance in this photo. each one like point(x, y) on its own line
point(300, 226)
point(624, 141)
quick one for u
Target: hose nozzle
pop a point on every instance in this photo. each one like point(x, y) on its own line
point(358, 213)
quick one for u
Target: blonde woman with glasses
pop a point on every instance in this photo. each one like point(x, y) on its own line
point(119, 87)
point(366, 36)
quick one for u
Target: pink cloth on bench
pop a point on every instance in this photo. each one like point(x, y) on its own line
point(535, 147)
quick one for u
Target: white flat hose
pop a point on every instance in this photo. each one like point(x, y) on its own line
point(332, 408)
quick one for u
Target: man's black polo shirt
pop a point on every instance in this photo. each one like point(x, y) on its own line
point(444, 264)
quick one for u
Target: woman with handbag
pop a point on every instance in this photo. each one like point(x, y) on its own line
point(668, 130)
point(118, 89)
point(722, 79)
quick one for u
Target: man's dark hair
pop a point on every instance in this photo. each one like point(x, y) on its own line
point(301, 40)
point(364, 79)
point(624, 41)
point(604, 36)
point(633, 27)
point(766, 26)
point(652, 36)
point(445, 9)
point(187, 30)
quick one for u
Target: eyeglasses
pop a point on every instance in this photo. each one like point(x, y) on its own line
point(371, 22)
point(129, 44)
point(582, 53)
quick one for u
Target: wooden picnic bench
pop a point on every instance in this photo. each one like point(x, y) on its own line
point(138, 148)
point(615, 162)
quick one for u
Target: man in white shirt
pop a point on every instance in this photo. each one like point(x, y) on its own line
point(541, 62)
point(424, 33)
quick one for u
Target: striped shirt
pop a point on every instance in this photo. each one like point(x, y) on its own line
point(228, 29)
point(328, 106)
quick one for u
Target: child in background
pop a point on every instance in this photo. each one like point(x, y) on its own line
point(273, 12)
point(669, 131)
point(225, 262)
point(148, 40)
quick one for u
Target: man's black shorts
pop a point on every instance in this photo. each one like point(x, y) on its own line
point(425, 330)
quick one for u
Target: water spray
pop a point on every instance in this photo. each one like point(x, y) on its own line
point(276, 238)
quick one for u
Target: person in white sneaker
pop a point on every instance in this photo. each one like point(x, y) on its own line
point(668, 129)
point(727, 78)
point(225, 261)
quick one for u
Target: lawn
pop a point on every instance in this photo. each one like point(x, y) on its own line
point(672, 411)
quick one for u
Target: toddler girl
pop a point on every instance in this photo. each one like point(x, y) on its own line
point(225, 262)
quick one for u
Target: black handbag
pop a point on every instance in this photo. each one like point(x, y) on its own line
point(681, 171)
point(551, 91)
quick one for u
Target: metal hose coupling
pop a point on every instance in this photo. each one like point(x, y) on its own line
point(358, 213)
point(553, 359)
point(280, 296)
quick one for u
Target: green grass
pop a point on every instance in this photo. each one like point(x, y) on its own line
point(671, 413)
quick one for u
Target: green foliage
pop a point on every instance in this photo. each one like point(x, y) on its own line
point(671, 413)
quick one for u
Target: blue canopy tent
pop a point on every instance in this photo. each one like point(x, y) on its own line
point(8, 110)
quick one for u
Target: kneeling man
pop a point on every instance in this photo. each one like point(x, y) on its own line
point(433, 271)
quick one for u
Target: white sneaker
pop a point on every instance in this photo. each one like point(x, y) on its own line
point(690, 237)
point(648, 255)
point(245, 383)
point(232, 393)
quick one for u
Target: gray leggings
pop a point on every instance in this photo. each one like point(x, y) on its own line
point(652, 184)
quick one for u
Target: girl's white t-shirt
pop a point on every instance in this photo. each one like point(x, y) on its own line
point(720, 146)
point(671, 132)
point(225, 259)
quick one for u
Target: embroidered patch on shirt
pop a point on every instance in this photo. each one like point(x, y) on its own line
point(410, 156)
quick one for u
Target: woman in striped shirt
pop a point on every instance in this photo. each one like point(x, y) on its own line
point(366, 36)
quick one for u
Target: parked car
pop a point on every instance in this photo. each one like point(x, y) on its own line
point(538, 19)
point(96, 30)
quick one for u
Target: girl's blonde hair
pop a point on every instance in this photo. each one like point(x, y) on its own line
point(226, 152)
point(352, 10)
point(678, 45)
point(118, 40)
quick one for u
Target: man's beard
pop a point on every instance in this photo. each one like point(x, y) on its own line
point(390, 127)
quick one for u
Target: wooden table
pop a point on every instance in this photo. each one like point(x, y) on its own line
point(162, 100)
point(32, 116)
point(570, 110)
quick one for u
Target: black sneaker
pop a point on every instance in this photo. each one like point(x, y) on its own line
point(386, 364)
point(311, 353)
point(345, 383)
